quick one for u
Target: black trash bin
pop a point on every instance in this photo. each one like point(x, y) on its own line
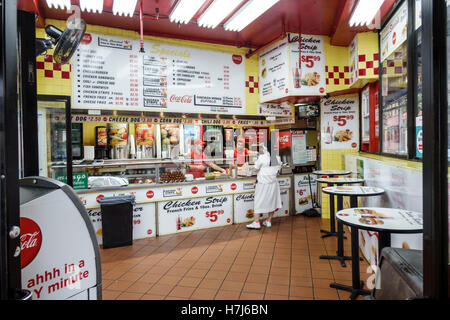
point(117, 221)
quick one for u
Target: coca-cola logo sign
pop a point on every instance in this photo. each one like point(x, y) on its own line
point(30, 241)
point(233, 186)
point(237, 59)
point(181, 99)
point(87, 38)
point(99, 197)
point(194, 190)
point(150, 194)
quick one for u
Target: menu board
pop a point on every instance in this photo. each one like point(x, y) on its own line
point(111, 73)
point(306, 74)
point(340, 123)
point(299, 155)
point(274, 109)
point(274, 72)
point(395, 32)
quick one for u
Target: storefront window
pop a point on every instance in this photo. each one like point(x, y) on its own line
point(418, 85)
point(394, 58)
point(52, 135)
point(448, 95)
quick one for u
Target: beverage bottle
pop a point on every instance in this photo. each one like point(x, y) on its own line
point(296, 77)
point(327, 137)
point(179, 223)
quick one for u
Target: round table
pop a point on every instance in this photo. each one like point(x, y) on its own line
point(333, 173)
point(353, 192)
point(332, 182)
point(329, 173)
point(382, 220)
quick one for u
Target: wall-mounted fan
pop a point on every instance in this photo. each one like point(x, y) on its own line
point(66, 42)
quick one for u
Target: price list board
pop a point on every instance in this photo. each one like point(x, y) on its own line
point(111, 73)
point(105, 74)
point(340, 125)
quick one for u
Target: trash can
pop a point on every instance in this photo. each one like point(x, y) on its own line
point(117, 221)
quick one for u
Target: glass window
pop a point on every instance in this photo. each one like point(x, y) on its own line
point(365, 114)
point(418, 84)
point(448, 94)
point(394, 59)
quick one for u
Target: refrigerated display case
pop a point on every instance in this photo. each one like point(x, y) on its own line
point(213, 137)
point(170, 140)
point(118, 140)
point(151, 171)
point(191, 134)
point(254, 137)
point(145, 140)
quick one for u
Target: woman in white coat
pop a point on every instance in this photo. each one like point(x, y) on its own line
point(267, 191)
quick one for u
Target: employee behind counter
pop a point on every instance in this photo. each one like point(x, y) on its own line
point(241, 152)
point(197, 168)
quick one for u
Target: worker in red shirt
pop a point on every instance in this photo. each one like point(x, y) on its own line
point(241, 152)
point(197, 168)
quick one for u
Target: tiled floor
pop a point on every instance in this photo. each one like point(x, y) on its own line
point(230, 263)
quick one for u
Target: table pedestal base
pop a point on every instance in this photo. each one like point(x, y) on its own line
point(328, 234)
point(341, 259)
point(354, 292)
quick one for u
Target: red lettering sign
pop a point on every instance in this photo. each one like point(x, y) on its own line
point(181, 99)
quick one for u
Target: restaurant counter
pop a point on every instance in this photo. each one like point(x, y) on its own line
point(169, 208)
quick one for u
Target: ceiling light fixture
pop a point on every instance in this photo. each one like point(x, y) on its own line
point(59, 4)
point(216, 12)
point(91, 5)
point(124, 7)
point(365, 12)
point(185, 10)
point(248, 13)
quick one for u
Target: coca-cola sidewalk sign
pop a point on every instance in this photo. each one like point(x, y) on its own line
point(30, 240)
point(60, 257)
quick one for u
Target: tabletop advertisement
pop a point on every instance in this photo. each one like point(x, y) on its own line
point(340, 123)
point(190, 214)
point(274, 72)
point(305, 192)
point(306, 74)
point(396, 182)
point(110, 73)
point(395, 32)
